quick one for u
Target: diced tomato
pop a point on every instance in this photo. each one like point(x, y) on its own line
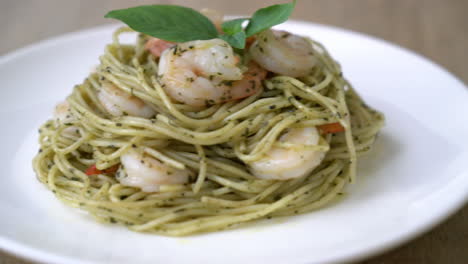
point(331, 128)
point(158, 46)
point(92, 170)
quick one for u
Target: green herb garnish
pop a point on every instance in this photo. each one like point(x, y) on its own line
point(182, 24)
point(168, 22)
point(236, 40)
point(234, 26)
point(265, 18)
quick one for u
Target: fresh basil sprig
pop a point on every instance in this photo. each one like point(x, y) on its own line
point(265, 18)
point(237, 40)
point(234, 32)
point(182, 24)
point(233, 26)
point(168, 22)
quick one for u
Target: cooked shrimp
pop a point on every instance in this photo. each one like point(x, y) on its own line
point(282, 163)
point(147, 173)
point(283, 53)
point(117, 102)
point(63, 115)
point(205, 72)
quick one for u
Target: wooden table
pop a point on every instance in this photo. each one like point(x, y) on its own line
point(434, 28)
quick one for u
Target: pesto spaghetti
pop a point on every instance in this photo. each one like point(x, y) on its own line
point(82, 149)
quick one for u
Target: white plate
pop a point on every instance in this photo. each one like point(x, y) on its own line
point(415, 177)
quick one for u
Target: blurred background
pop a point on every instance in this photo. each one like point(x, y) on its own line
point(436, 29)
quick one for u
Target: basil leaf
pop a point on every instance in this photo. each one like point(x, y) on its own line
point(231, 27)
point(236, 40)
point(267, 17)
point(168, 22)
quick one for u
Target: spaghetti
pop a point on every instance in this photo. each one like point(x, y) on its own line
point(213, 143)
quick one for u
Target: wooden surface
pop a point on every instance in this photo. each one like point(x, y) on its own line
point(436, 29)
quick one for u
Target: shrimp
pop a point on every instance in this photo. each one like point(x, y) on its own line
point(63, 115)
point(283, 53)
point(117, 102)
point(282, 163)
point(140, 170)
point(205, 72)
